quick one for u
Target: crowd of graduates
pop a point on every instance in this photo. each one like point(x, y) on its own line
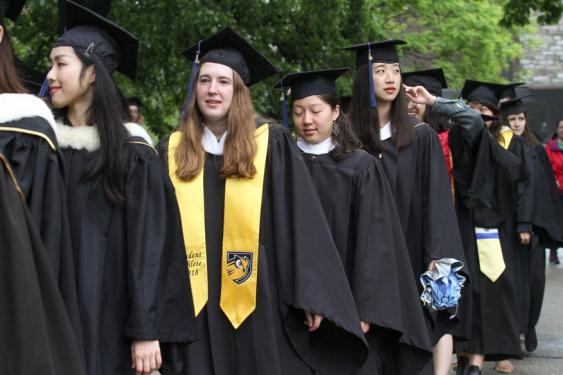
point(380, 235)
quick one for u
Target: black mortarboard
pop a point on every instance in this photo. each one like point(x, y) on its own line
point(11, 8)
point(303, 84)
point(514, 106)
point(88, 32)
point(483, 92)
point(375, 52)
point(230, 49)
point(382, 52)
point(318, 82)
point(432, 80)
point(509, 90)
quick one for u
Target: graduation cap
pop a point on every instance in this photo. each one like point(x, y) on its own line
point(378, 52)
point(432, 80)
point(228, 48)
point(90, 33)
point(509, 91)
point(11, 8)
point(304, 84)
point(482, 92)
point(514, 106)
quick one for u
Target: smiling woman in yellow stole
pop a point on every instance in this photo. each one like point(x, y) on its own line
point(260, 255)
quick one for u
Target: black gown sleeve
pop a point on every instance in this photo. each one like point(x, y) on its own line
point(158, 282)
point(439, 224)
point(35, 332)
point(311, 275)
point(383, 281)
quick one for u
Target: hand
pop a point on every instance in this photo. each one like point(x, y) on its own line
point(432, 266)
point(365, 327)
point(145, 356)
point(313, 321)
point(420, 95)
point(525, 238)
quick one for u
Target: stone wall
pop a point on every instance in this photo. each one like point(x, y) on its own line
point(543, 63)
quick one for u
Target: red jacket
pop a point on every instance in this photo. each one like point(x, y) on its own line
point(556, 159)
point(444, 138)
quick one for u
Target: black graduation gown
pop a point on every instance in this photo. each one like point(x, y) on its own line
point(485, 177)
point(361, 212)
point(419, 179)
point(130, 259)
point(35, 334)
point(28, 141)
point(299, 269)
point(539, 207)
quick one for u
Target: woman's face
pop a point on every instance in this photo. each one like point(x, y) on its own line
point(417, 110)
point(560, 130)
point(1, 33)
point(66, 87)
point(387, 81)
point(214, 91)
point(313, 118)
point(517, 123)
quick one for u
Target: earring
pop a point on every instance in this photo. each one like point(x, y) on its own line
point(335, 129)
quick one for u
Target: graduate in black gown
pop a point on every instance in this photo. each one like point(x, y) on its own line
point(547, 219)
point(491, 178)
point(413, 162)
point(131, 272)
point(35, 333)
point(270, 292)
point(27, 140)
point(361, 212)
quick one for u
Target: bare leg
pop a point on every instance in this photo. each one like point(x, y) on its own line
point(476, 360)
point(443, 355)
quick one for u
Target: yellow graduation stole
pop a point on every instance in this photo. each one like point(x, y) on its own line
point(241, 232)
point(489, 249)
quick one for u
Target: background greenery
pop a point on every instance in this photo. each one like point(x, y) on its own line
point(470, 39)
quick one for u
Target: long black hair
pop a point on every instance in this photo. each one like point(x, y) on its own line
point(365, 120)
point(345, 139)
point(438, 121)
point(107, 113)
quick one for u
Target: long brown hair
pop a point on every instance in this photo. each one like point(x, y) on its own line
point(240, 144)
point(365, 120)
point(527, 134)
point(10, 81)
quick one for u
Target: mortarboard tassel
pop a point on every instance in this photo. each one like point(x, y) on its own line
point(285, 120)
point(44, 91)
point(372, 100)
point(195, 68)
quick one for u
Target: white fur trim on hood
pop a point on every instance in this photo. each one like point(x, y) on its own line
point(15, 107)
point(87, 138)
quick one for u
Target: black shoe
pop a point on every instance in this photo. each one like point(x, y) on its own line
point(531, 339)
point(474, 370)
point(462, 365)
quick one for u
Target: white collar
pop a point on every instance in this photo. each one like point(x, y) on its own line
point(320, 148)
point(87, 138)
point(210, 142)
point(385, 131)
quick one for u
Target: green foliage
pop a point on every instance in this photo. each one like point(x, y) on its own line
point(462, 36)
point(517, 12)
